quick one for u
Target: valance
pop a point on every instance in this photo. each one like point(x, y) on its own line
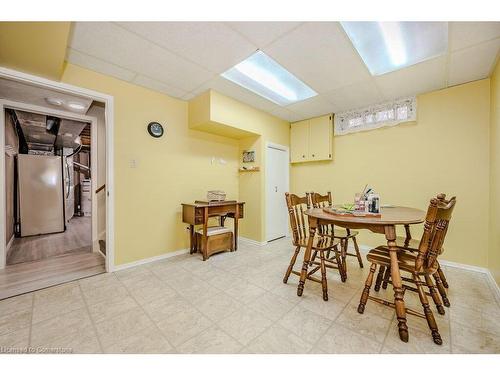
point(385, 114)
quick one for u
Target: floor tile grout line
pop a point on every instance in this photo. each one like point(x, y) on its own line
point(233, 272)
point(245, 345)
point(91, 319)
point(149, 317)
point(387, 334)
point(188, 302)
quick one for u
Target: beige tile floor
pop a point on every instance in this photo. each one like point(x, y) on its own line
point(237, 303)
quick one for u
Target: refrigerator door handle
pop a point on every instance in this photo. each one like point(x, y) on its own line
point(68, 178)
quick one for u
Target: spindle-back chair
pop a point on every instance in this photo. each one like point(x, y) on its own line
point(300, 237)
point(423, 263)
point(322, 201)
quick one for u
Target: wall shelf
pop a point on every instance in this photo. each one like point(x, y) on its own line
point(249, 169)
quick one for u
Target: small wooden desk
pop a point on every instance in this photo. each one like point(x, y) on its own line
point(198, 214)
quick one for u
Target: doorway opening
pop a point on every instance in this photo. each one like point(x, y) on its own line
point(55, 197)
point(277, 184)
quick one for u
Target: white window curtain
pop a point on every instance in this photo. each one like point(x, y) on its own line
point(376, 116)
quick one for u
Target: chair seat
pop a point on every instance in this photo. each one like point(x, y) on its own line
point(212, 231)
point(320, 243)
point(406, 260)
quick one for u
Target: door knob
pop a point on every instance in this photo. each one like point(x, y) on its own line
point(275, 189)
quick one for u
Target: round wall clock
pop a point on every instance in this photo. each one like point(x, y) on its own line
point(155, 129)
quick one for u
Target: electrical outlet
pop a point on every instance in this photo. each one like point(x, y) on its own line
point(133, 163)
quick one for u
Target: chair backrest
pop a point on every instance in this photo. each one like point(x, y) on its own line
point(298, 220)
point(321, 201)
point(435, 228)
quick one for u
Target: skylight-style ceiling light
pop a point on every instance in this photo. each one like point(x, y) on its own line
point(265, 77)
point(389, 46)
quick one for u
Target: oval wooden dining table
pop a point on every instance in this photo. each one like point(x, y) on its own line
point(384, 224)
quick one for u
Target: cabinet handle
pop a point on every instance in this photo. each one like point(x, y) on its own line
point(313, 155)
point(303, 156)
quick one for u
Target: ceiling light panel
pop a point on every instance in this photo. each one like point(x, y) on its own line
point(265, 77)
point(389, 46)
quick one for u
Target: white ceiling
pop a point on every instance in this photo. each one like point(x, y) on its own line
point(183, 59)
point(35, 95)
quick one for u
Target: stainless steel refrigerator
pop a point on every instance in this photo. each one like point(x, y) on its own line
point(41, 194)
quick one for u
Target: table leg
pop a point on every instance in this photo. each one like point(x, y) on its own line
point(390, 234)
point(236, 217)
point(307, 254)
point(204, 240)
point(191, 239)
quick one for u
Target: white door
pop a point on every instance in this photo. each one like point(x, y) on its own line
point(276, 186)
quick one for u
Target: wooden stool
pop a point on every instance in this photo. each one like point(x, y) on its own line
point(218, 239)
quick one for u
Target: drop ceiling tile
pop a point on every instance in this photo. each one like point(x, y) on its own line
point(284, 114)
point(427, 76)
point(296, 117)
point(213, 45)
point(100, 66)
point(237, 92)
point(472, 63)
point(358, 95)
point(156, 85)
point(321, 55)
point(312, 107)
point(467, 34)
point(116, 45)
point(263, 33)
point(188, 96)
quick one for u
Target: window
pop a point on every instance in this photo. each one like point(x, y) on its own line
point(265, 77)
point(377, 116)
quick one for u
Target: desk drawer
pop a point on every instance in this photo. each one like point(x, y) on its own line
point(198, 216)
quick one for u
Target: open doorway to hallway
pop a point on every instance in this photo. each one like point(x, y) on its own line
point(54, 218)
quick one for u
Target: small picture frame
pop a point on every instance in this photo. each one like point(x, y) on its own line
point(248, 156)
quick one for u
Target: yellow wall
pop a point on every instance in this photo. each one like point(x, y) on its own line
point(173, 169)
point(217, 113)
point(494, 248)
point(445, 150)
point(34, 47)
point(243, 118)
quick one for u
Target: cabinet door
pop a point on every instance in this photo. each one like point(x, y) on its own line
point(320, 138)
point(299, 141)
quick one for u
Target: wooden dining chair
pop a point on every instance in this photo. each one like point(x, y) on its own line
point(300, 237)
point(409, 244)
point(423, 263)
point(344, 235)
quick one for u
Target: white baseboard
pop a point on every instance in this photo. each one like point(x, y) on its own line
point(491, 280)
point(9, 244)
point(140, 262)
point(493, 285)
point(251, 242)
